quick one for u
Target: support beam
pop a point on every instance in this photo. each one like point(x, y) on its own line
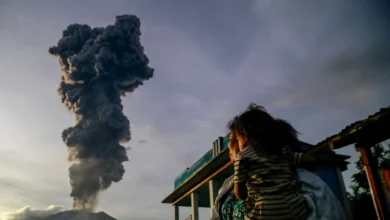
point(343, 191)
point(371, 168)
point(194, 205)
point(345, 202)
point(213, 191)
point(176, 212)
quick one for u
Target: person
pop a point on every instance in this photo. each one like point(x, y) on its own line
point(226, 205)
point(264, 176)
point(322, 201)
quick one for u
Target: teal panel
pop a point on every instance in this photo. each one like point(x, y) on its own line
point(189, 172)
point(225, 142)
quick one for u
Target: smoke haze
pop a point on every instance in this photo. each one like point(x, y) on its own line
point(27, 213)
point(100, 65)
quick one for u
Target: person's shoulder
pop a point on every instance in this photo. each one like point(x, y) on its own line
point(247, 152)
point(239, 156)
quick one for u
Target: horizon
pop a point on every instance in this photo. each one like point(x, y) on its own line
point(321, 66)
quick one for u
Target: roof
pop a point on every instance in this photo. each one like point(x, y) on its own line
point(375, 126)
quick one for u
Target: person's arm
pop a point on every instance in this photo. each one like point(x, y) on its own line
point(303, 160)
point(311, 161)
point(240, 178)
point(296, 158)
point(300, 158)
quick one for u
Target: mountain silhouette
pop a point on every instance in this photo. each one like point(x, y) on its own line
point(78, 215)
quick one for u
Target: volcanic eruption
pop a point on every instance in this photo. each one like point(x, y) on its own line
point(100, 65)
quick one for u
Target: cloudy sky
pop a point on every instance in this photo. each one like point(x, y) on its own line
point(319, 64)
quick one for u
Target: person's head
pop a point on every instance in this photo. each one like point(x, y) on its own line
point(233, 146)
point(258, 128)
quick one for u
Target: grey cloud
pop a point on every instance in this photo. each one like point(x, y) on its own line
point(336, 68)
point(225, 31)
point(299, 46)
point(366, 64)
point(143, 141)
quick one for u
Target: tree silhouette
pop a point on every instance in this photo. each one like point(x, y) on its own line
point(360, 198)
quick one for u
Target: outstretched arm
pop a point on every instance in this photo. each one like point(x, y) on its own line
point(300, 158)
point(304, 160)
point(312, 161)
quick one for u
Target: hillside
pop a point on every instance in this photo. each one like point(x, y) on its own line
point(78, 215)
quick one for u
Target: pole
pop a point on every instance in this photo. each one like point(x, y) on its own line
point(371, 168)
point(176, 212)
point(194, 205)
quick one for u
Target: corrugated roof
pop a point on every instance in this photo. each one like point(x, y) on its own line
point(356, 126)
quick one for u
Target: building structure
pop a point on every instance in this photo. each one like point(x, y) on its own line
point(364, 134)
point(198, 185)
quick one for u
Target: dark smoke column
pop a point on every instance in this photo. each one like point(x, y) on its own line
point(100, 65)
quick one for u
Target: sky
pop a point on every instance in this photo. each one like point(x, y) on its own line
point(321, 65)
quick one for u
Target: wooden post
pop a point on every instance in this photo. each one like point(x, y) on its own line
point(346, 204)
point(176, 212)
point(194, 205)
point(371, 168)
point(342, 188)
point(213, 191)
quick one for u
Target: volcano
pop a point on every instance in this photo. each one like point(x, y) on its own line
point(78, 215)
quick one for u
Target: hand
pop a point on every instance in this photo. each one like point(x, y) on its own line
point(249, 203)
point(232, 155)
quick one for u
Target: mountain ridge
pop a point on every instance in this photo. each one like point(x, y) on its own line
point(77, 215)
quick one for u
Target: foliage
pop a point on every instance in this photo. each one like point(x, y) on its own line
point(360, 197)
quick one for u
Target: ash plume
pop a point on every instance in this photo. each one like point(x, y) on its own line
point(100, 65)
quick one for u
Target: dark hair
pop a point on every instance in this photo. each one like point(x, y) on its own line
point(262, 130)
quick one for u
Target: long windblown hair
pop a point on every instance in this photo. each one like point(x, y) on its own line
point(233, 145)
point(260, 129)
